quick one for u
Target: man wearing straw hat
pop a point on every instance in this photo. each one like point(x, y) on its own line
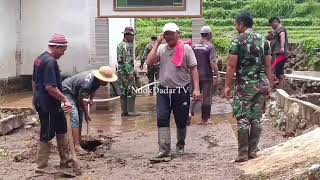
point(80, 86)
point(47, 89)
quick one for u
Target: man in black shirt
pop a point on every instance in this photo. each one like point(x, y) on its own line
point(47, 87)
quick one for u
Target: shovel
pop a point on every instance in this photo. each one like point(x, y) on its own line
point(90, 143)
point(88, 121)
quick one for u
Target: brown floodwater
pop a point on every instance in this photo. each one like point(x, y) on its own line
point(111, 120)
point(108, 121)
point(21, 99)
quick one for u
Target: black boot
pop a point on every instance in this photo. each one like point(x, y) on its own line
point(124, 109)
point(254, 138)
point(181, 137)
point(205, 112)
point(243, 137)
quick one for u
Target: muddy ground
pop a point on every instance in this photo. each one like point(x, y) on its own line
point(128, 143)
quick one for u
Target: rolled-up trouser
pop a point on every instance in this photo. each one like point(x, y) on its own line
point(51, 123)
point(206, 89)
point(77, 113)
point(176, 100)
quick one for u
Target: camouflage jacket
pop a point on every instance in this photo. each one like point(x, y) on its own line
point(146, 51)
point(125, 58)
point(251, 49)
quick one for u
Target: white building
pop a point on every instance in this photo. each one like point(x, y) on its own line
point(93, 28)
point(27, 25)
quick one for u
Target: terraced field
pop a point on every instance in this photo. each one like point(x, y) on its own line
point(301, 18)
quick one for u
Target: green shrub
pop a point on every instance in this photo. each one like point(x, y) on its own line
point(222, 44)
point(228, 5)
point(310, 8)
point(266, 9)
point(309, 45)
point(215, 13)
point(140, 45)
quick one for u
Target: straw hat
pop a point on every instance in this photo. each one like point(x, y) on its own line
point(105, 73)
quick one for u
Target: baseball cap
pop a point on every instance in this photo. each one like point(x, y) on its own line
point(205, 30)
point(170, 27)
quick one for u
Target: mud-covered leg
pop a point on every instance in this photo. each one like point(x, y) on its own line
point(243, 138)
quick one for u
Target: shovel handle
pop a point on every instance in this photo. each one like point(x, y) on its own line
point(76, 164)
point(88, 121)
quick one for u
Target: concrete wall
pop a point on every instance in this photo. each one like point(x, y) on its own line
point(75, 18)
point(306, 111)
point(9, 10)
point(39, 20)
point(42, 18)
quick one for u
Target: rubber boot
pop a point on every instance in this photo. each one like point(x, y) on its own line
point(181, 137)
point(131, 106)
point(123, 102)
point(205, 113)
point(64, 152)
point(254, 138)
point(189, 120)
point(43, 158)
point(43, 155)
point(164, 141)
point(243, 137)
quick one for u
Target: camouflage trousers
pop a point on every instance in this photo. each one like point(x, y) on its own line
point(152, 74)
point(126, 85)
point(248, 106)
point(249, 100)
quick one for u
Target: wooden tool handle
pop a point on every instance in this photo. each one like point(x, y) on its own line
point(76, 164)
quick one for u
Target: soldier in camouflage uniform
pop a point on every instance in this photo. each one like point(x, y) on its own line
point(250, 59)
point(126, 72)
point(153, 71)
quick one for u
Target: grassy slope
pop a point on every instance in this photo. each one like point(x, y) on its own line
point(301, 17)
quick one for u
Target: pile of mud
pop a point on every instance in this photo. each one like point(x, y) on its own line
point(95, 146)
point(297, 58)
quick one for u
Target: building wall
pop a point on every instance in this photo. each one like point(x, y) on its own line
point(42, 18)
point(39, 20)
point(8, 18)
point(76, 19)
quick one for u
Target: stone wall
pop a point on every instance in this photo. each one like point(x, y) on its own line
point(314, 98)
point(10, 85)
point(301, 86)
point(292, 115)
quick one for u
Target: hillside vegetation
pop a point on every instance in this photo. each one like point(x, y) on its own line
point(301, 17)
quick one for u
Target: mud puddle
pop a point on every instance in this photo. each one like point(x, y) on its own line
point(120, 148)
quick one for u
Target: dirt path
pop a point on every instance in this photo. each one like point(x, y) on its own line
point(209, 149)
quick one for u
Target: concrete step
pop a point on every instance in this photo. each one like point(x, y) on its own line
point(288, 160)
point(10, 123)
